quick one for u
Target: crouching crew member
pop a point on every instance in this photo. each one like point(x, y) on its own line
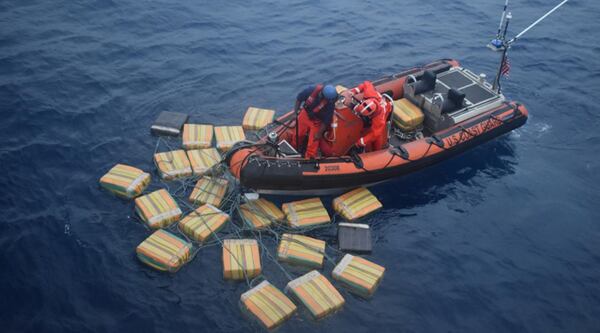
point(316, 104)
point(375, 110)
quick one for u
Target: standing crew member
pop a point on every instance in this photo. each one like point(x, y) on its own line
point(316, 105)
point(375, 111)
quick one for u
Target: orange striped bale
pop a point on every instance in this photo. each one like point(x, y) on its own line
point(164, 251)
point(301, 250)
point(315, 292)
point(361, 276)
point(196, 136)
point(241, 259)
point(306, 213)
point(356, 204)
point(203, 223)
point(256, 118)
point(173, 164)
point(268, 305)
point(158, 209)
point(125, 181)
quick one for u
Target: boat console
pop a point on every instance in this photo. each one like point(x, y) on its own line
point(450, 97)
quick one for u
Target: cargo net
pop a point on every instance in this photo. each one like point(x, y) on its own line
point(234, 203)
point(194, 203)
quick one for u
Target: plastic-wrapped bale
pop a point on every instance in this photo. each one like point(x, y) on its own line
point(227, 136)
point(196, 136)
point(356, 204)
point(354, 237)
point(306, 213)
point(125, 181)
point(268, 208)
point(256, 118)
point(407, 116)
point(173, 164)
point(168, 123)
point(301, 250)
point(254, 218)
point(241, 259)
point(158, 209)
point(316, 293)
point(164, 251)
point(340, 89)
point(202, 160)
point(361, 276)
point(209, 190)
point(203, 223)
point(268, 305)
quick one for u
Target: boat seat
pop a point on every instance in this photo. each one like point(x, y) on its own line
point(454, 101)
point(441, 104)
point(414, 88)
point(426, 83)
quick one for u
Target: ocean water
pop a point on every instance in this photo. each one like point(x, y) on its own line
point(505, 238)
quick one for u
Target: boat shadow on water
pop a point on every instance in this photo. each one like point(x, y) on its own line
point(466, 174)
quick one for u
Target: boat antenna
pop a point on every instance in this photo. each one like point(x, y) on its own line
point(502, 17)
point(500, 43)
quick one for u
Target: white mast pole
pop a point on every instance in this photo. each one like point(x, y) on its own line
point(502, 19)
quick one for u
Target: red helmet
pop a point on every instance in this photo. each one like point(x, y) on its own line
point(366, 108)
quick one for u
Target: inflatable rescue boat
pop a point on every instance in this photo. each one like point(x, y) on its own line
point(439, 111)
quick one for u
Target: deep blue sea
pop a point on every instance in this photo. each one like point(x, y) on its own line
point(505, 238)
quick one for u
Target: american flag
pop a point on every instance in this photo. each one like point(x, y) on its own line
point(505, 70)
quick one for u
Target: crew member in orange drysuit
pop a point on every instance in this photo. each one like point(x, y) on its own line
point(374, 110)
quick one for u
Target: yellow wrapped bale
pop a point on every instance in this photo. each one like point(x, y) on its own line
point(203, 223)
point(268, 208)
point(241, 259)
point(158, 209)
point(173, 164)
point(340, 89)
point(125, 181)
point(209, 190)
point(407, 116)
point(356, 204)
point(256, 118)
point(301, 250)
point(361, 276)
point(254, 218)
point(316, 293)
point(268, 305)
point(227, 136)
point(202, 160)
point(306, 213)
point(196, 136)
point(164, 251)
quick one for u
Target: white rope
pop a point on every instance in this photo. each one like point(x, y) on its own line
point(536, 22)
